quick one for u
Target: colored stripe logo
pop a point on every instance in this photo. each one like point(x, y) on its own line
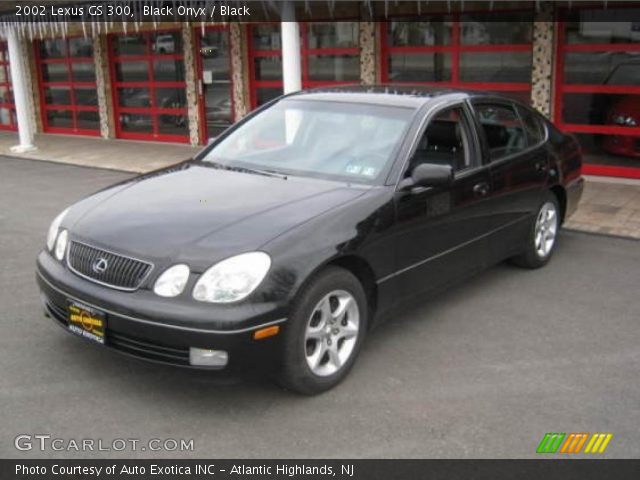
point(574, 443)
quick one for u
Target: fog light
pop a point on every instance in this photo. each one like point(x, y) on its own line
point(208, 358)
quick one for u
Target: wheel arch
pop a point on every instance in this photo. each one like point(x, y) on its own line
point(361, 269)
point(358, 267)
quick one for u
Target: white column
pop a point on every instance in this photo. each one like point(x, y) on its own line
point(20, 93)
point(291, 71)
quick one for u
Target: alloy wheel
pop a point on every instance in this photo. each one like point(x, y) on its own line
point(546, 229)
point(331, 333)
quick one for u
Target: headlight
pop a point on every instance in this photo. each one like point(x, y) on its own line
point(232, 279)
point(172, 282)
point(61, 244)
point(53, 229)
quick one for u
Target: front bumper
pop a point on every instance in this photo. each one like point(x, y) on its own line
point(143, 325)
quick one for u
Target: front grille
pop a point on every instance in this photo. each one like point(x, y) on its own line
point(118, 271)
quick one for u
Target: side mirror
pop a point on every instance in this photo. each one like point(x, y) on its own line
point(429, 175)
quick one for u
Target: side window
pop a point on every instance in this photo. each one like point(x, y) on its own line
point(445, 141)
point(533, 126)
point(502, 129)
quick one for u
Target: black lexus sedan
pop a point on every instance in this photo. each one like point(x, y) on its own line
point(304, 224)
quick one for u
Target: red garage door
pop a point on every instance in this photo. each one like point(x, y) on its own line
point(67, 80)
point(214, 76)
point(149, 98)
point(471, 51)
point(598, 87)
point(7, 105)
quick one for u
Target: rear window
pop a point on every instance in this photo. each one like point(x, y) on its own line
point(533, 126)
point(502, 129)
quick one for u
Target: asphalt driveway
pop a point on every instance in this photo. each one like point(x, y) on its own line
point(481, 371)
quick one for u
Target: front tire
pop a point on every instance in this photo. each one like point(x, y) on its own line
point(325, 331)
point(542, 236)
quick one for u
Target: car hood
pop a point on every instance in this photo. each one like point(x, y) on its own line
point(199, 214)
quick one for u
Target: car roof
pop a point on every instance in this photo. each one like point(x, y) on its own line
point(408, 96)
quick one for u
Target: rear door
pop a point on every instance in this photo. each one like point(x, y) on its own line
point(519, 166)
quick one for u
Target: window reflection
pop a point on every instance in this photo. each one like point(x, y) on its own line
point(332, 35)
point(81, 47)
point(499, 67)
point(132, 71)
point(168, 70)
point(216, 80)
point(83, 72)
point(483, 29)
point(59, 118)
point(53, 48)
point(136, 123)
point(57, 95)
point(173, 125)
point(334, 67)
point(130, 45)
point(86, 96)
point(427, 33)
point(267, 94)
point(419, 67)
point(602, 68)
point(55, 72)
point(134, 97)
point(602, 26)
point(265, 37)
point(171, 98)
point(166, 43)
point(88, 120)
point(268, 68)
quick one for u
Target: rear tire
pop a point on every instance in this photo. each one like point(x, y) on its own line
point(543, 232)
point(324, 333)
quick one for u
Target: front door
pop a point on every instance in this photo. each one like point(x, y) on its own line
point(441, 232)
point(214, 82)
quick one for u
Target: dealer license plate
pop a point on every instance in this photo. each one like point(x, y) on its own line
point(86, 321)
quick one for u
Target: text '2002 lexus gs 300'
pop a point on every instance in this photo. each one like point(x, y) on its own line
point(301, 226)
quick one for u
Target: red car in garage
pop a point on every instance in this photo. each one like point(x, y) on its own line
point(624, 113)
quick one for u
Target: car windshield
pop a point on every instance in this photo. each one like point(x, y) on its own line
point(333, 140)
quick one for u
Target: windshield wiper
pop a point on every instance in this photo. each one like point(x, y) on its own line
point(257, 171)
point(268, 173)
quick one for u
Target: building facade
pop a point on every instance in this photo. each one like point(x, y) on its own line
point(184, 82)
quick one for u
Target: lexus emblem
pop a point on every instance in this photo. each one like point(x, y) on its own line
point(100, 265)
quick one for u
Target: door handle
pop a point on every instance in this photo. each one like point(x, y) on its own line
point(481, 189)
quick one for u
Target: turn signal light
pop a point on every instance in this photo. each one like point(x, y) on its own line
point(266, 332)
